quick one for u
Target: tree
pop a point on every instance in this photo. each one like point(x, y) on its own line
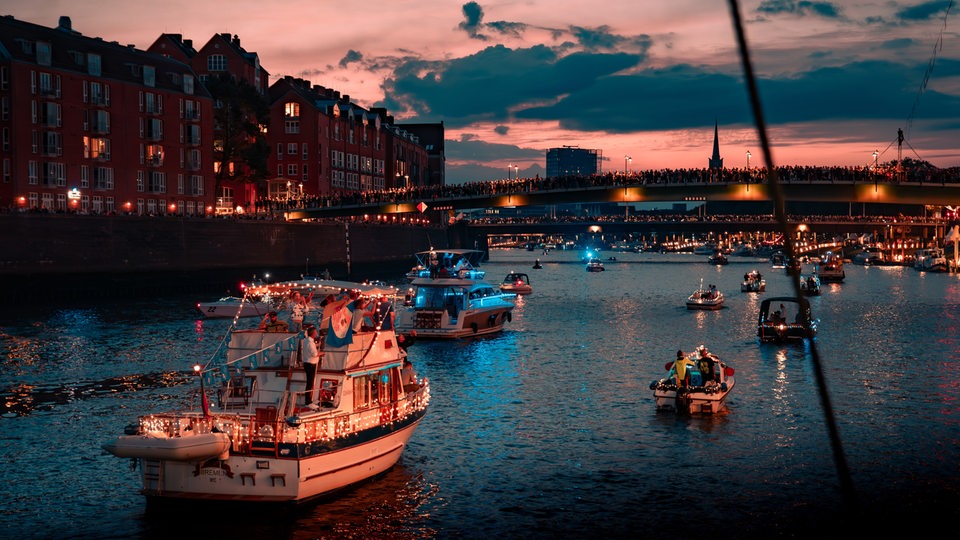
point(241, 115)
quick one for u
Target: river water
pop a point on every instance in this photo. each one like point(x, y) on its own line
point(547, 430)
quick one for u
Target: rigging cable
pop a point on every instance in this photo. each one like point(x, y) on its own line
point(937, 47)
point(776, 191)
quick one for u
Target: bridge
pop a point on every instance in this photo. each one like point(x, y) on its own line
point(813, 191)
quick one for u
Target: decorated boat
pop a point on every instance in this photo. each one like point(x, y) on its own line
point(753, 282)
point(830, 268)
point(696, 383)
point(931, 260)
point(451, 300)
point(785, 318)
point(517, 283)
point(266, 435)
point(705, 298)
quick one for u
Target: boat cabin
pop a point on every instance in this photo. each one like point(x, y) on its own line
point(785, 318)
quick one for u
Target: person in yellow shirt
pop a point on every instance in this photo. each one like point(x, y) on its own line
point(680, 365)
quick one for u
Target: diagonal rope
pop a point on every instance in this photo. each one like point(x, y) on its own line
point(843, 473)
point(937, 47)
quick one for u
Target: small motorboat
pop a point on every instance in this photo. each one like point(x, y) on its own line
point(778, 260)
point(785, 318)
point(537, 265)
point(753, 282)
point(718, 258)
point(517, 283)
point(830, 269)
point(810, 285)
point(595, 265)
point(705, 298)
point(233, 306)
point(701, 387)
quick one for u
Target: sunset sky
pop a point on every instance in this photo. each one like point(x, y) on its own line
point(646, 79)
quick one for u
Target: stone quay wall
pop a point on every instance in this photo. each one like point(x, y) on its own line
point(47, 249)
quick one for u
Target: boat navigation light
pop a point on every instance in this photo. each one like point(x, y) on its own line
point(196, 368)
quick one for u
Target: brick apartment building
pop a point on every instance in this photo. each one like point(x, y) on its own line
point(96, 127)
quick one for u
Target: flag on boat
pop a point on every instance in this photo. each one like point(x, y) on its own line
point(340, 332)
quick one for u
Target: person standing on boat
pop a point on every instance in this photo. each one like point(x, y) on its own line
point(680, 365)
point(381, 313)
point(299, 306)
point(311, 359)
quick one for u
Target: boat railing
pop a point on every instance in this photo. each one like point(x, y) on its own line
point(269, 428)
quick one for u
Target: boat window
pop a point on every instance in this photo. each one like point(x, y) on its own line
point(371, 390)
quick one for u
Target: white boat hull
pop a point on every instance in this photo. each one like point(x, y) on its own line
point(696, 401)
point(267, 478)
point(185, 449)
point(229, 310)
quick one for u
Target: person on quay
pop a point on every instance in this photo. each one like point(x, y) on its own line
point(311, 360)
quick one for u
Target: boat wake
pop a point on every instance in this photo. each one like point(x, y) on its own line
point(25, 399)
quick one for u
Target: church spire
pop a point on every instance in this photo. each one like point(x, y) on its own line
point(716, 162)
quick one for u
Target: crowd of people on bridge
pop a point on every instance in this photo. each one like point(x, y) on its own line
point(755, 175)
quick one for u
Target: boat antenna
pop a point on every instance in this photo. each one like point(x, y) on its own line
point(776, 192)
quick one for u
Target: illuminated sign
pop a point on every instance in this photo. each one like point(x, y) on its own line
point(73, 194)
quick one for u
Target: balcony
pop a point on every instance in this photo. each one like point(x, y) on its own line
point(154, 161)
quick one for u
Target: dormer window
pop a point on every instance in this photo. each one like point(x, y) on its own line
point(149, 76)
point(291, 109)
point(93, 64)
point(44, 55)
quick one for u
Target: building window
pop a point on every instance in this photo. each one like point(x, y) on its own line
point(43, 53)
point(303, 172)
point(292, 148)
point(188, 84)
point(149, 76)
point(140, 182)
point(304, 150)
point(291, 109)
point(216, 62)
point(292, 170)
point(158, 182)
point(291, 126)
point(93, 64)
point(196, 184)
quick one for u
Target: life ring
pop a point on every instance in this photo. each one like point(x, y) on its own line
point(474, 327)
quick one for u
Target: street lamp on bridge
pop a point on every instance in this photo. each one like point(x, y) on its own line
point(748, 159)
point(875, 155)
point(516, 172)
point(626, 164)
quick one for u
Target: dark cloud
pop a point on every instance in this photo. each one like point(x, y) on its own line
point(488, 85)
point(778, 7)
point(473, 20)
point(596, 38)
point(511, 29)
point(901, 43)
point(501, 130)
point(351, 56)
point(924, 11)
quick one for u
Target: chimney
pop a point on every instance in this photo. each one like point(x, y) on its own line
point(346, 98)
point(236, 40)
point(65, 24)
point(188, 43)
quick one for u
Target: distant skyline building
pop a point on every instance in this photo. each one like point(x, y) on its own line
point(573, 160)
point(716, 162)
